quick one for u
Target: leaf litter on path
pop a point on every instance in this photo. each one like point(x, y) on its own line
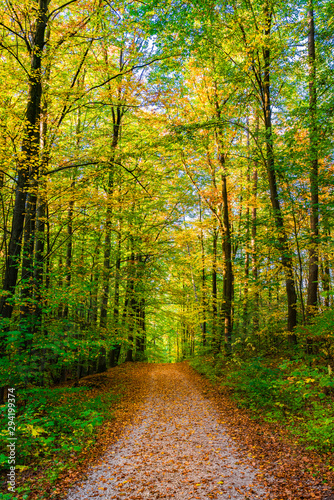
point(186, 441)
point(175, 448)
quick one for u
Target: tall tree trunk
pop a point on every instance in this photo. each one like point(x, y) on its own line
point(142, 325)
point(107, 253)
point(41, 268)
point(227, 256)
point(3, 246)
point(116, 347)
point(254, 252)
point(245, 312)
point(69, 249)
point(140, 303)
point(93, 306)
point(117, 118)
point(117, 279)
point(203, 279)
point(41, 213)
point(312, 290)
point(286, 258)
point(29, 161)
point(131, 300)
point(225, 226)
point(117, 114)
point(27, 306)
point(215, 338)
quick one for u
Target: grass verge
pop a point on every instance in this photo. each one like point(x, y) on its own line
point(288, 392)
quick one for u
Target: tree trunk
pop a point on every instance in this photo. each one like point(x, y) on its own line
point(203, 279)
point(107, 253)
point(227, 256)
point(27, 306)
point(69, 249)
point(94, 279)
point(245, 309)
point(286, 258)
point(131, 301)
point(225, 227)
point(215, 339)
point(117, 120)
point(29, 161)
point(312, 290)
point(254, 253)
point(115, 348)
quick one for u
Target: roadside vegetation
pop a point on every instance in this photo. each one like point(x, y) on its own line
point(282, 384)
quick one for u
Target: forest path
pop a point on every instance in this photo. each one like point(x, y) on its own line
point(176, 448)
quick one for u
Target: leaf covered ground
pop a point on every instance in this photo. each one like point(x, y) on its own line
point(176, 436)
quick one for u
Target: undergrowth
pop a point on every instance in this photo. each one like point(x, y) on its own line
point(52, 426)
point(286, 391)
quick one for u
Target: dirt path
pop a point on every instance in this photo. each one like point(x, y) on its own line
point(176, 447)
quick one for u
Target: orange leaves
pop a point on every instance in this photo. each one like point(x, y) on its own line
point(176, 447)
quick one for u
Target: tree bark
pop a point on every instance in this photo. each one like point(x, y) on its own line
point(29, 161)
point(115, 348)
point(117, 118)
point(254, 252)
point(312, 290)
point(286, 258)
point(69, 249)
point(131, 300)
point(245, 308)
point(215, 339)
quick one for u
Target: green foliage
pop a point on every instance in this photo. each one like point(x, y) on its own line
point(54, 423)
point(321, 332)
point(207, 365)
point(289, 392)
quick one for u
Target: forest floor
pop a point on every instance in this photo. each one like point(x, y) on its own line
point(176, 436)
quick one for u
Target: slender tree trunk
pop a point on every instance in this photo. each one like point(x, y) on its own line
point(27, 307)
point(245, 312)
point(203, 279)
point(312, 290)
point(142, 325)
point(93, 309)
point(69, 249)
point(39, 255)
point(107, 253)
point(140, 306)
point(131, 307)
point(326, 280)
point(225, 226)
point(117, 279)
point(254, 253)
point(60, 285)
point(227, 256)
point(117, 115)
point(3, 246)
point(116, 347)
point(203, 295)
point(253, 238)
point(117, 118)
point(68, 264)
point(286, 258)
point(41, 268)
point(215, 338)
